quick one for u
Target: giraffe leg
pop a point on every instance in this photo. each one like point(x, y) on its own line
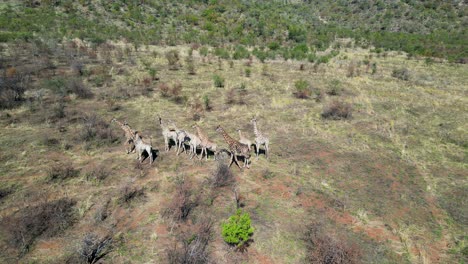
point(237, 162)
point(267, 150)
point(257, 149)
point(232, 160)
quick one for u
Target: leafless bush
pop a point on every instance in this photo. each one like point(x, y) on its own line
point(401, 73)
point(77, 67)
point(12, 88)
point(222, 175)
point(46, 219)
point(93, 247)
point(95, 128)
point(183, 201)
point(337, 110)
point(102, 212)
point(77, 87)
point(61, 172)
point(351, 71)
point(197, 109)
point(98, 174)
point(236, 95)
point(191, 247)
point(172, 57)
point(230, 96)
point(129, 192)
point(322, 247)
point(164, 89)
point(5, 191)
point(174, 93)
point(176, 90)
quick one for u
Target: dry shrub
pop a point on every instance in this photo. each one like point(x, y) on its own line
point(222, 175)
point(230, 96)
point(61, 172)
point(176, 90)
point(236, 95)
point(77, 67)
point(197, 109)
point(93, 247)
point(102, 212)
point(303, 90)
point(401, 73)
point(323, 247)
point(173, 57)
point(94, 128)
point(12, 89)
point(46, 220)
point(191, 246)
point(97, 174)
point(5, 191)
point(337, 110)
point(351, 71)
point(183, 201)
point(164, 89)
point(128, 192)
point(77, 87)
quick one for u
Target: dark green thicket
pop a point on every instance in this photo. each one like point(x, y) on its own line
point(428, 28)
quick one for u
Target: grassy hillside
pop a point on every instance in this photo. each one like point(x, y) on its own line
point(368, 146)
point(428, 28)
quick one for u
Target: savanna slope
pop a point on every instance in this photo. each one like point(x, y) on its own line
point(368, 146)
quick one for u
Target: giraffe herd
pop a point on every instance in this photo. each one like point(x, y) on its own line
point(135, 142)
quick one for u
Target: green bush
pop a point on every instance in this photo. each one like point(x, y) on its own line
point(222, 53)
point(218, 81)
point(240, 53)
point(402, 74)
point(303, 90)
point(237, 230)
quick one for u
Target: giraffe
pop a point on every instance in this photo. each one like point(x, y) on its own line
point(205, 142)
point(194, 142)
point(141, 146)
point(236, 148)
point(260, 139)
point(182, 137)
point(167, 134)
point(129, 134)
point(244, 140)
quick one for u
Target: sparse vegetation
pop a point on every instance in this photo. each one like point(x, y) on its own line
point(322, 247)
point(183, 201)
point(337, 110)
point(192, 246)
point(222, 175)
point(401, 73)
point(129, 192)
point(389, 181)
point(46, 219)
point(93, 248)
point(61, 172)
point(303, 90)
point(218, 81)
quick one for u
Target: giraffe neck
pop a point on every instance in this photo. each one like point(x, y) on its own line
point(201, 135)
point(122, 125)
point(256, 132)
point(227, 138)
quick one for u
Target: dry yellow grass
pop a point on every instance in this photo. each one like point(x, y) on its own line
point(388, 166)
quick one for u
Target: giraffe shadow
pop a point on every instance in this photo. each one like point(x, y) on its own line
point(260, 151)
point(155, 153)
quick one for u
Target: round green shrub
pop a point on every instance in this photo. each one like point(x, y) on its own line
point(237, 230)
